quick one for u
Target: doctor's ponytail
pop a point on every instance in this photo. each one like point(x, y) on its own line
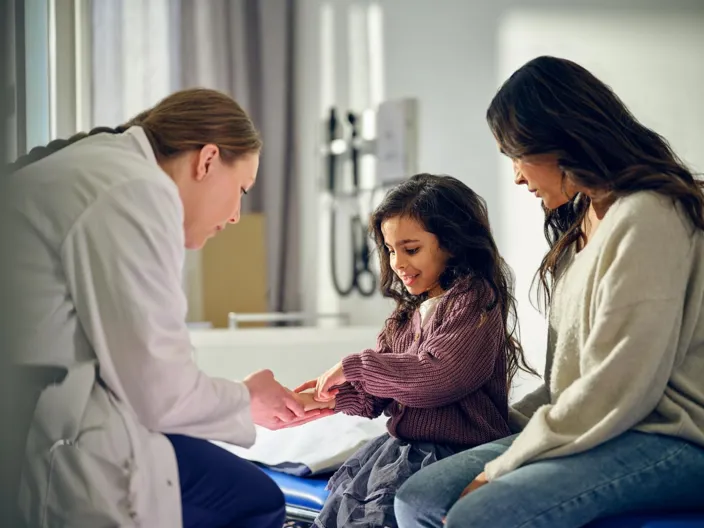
point(38, 153)
point(183, 121)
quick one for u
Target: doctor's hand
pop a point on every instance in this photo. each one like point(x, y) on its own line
point(314, 410)
point(273, 406)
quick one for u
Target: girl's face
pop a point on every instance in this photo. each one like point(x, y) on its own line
point(415, 255)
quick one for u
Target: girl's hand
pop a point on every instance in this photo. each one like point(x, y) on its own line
point(310, 403)
point(306, 386)
point(324, 391)
point(332, 378)
point(309, 386)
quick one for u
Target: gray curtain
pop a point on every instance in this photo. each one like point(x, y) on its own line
point(134, 57)
point(143, 50)
point(11, 86)
point(245, 48)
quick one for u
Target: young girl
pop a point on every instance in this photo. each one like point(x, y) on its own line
point(443, 363)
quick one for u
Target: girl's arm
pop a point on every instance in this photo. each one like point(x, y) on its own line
point(455, 361)
point(350, 398)
point(355, 402)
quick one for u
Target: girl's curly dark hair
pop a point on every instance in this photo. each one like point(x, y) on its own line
point(458, 217)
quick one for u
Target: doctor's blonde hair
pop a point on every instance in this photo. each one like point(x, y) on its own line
point(184, 121)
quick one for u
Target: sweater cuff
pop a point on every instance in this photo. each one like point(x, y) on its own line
point(353, 368)
point(349, 401)
point(498, 468)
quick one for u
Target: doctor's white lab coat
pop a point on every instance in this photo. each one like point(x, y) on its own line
point(97, 251)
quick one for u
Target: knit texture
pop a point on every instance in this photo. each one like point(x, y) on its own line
point(445, 383)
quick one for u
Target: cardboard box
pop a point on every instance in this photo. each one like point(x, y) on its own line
point(234, 271)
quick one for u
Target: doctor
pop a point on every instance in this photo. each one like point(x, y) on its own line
point(97, 226)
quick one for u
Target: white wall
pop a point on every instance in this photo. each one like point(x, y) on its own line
point(324, 78)
point(447, 54)
point(295, 355)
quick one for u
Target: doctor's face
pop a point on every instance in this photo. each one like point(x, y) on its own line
point(213, 196)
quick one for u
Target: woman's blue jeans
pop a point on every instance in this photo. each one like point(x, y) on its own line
point(633, 472)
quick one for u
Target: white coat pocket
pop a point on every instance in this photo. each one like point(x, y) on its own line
point(79, 468)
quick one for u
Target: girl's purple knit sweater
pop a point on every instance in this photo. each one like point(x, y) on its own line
point(445, 383)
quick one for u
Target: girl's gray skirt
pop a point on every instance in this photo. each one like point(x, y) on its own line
point(362, 491)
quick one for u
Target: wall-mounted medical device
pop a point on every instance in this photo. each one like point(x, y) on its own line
point(394, 144)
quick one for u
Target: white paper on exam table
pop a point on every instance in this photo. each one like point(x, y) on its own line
point(316, 447)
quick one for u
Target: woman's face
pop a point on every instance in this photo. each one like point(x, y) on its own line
point(543, 177)
point(211, 191)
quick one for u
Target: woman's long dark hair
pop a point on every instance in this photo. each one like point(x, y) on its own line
point(458, 217)
point(553, 105)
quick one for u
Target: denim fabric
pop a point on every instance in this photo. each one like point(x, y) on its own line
point(633, 472)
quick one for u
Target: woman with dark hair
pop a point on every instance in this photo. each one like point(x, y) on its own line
point(443, 363)
point(619, 424)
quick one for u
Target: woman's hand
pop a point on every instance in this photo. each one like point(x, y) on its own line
point(475, 484)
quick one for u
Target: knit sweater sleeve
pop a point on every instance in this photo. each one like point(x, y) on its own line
point(354, 401)
point(628, 355)
point(456, 359)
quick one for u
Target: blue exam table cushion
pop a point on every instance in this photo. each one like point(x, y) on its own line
point(652, 520)
point(308, 493)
